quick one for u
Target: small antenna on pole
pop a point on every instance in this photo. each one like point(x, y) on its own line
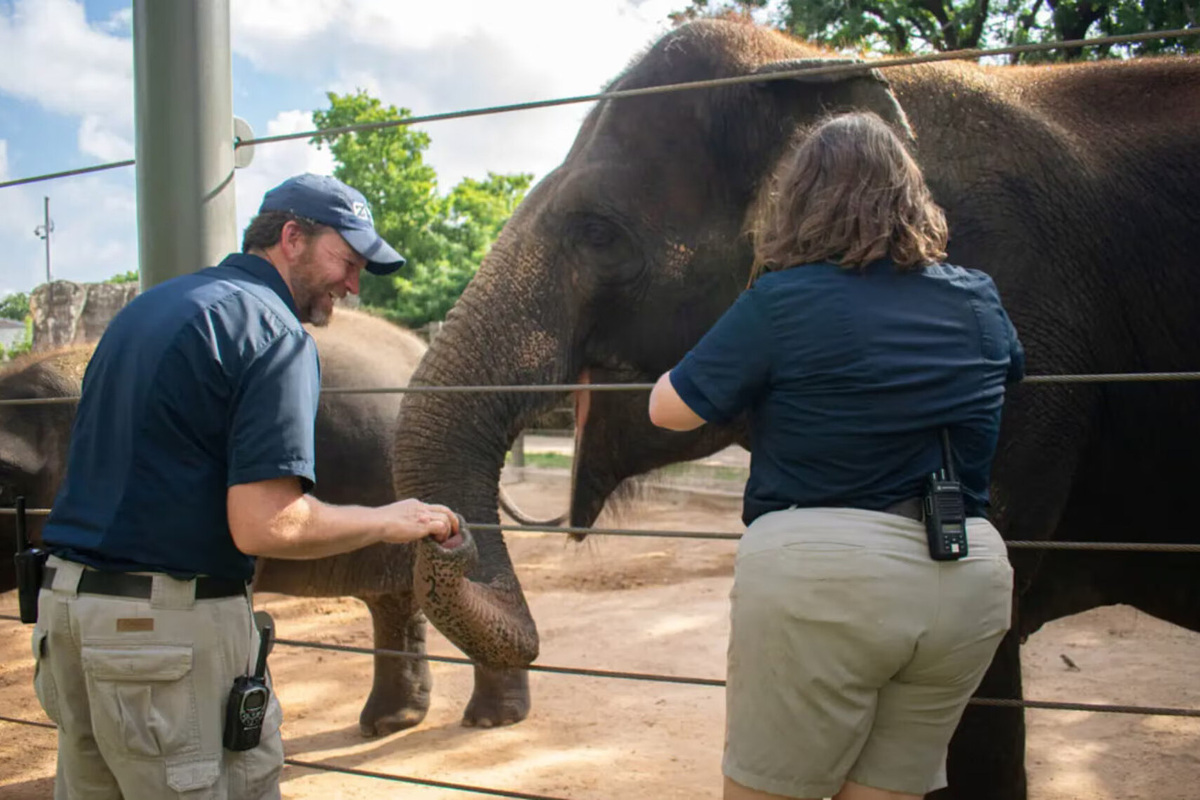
point(43, 231)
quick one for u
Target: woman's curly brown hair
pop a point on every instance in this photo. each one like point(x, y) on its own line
point(848, 191)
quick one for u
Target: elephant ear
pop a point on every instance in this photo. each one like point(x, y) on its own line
point(865, 90)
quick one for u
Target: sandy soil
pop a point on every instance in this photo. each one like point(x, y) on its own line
point(650, 605)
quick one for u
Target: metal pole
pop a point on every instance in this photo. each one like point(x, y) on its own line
point(46, 222)
point(183, 103)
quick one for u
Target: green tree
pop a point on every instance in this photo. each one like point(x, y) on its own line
point(14, 306)
point(474, 213)
point(903, 26)
point(22, 345)
point(124, 277)
point(443, 238)
point(388, 167)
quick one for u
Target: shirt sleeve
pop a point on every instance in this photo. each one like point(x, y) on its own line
point(272, 430)
point(725, 372)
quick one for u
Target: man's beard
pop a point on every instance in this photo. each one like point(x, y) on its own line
point(308, 295)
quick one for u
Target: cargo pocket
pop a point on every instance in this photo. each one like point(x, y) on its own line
point(143, 697)
point(197, 777)
point(43, 680)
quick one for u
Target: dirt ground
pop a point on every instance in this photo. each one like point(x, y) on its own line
point(650, 605)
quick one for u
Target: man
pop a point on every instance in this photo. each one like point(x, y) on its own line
point(192, 453)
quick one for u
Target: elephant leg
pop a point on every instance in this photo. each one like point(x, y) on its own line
point(501, 697)
point(400, 693)
point(987, 754)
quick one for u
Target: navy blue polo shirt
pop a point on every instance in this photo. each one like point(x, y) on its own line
point(203, 382)
point(848, 378)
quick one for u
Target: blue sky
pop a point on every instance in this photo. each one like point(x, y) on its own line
point(66, 99)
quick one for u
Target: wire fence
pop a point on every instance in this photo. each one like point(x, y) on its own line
point(362, 773)
point(814, 71)
point(1100, 377)
point(807, 72)
point(733, 536)
point(585, 672)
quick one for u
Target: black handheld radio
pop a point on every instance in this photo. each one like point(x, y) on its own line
point(247, 704)
point(29, 563)
point(945, 512)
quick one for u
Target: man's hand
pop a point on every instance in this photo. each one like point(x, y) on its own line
point(409, 520)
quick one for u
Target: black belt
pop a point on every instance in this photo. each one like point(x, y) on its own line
point(125, 584)
point(913, 508)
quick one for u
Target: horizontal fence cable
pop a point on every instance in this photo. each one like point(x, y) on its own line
point(838, 69)
point(1099, 377)
point(1051, 705)
point(33, 723)
point(66, 173)
point(386, 776)
point(552, 670)
point(1015, 544)
point(362, 773)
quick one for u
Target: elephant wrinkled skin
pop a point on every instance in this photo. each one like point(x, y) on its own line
point(1076, 187)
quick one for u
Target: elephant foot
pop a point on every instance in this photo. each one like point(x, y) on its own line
point(501, 697)
point(384, 718)
point(400, 693)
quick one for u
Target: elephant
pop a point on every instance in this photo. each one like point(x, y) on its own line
point(1076, 187)
point(353, 448)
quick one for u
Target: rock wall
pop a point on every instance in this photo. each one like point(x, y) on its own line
point(75, 313)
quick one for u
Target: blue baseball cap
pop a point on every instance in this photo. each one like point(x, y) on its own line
point(327, 200)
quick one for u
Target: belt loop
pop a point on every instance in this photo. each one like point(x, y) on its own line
point(167, 592)
point(66, 575)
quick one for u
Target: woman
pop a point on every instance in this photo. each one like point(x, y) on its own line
point(852, 651)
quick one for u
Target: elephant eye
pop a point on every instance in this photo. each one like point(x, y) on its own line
point(594, 232)
point(597, 233)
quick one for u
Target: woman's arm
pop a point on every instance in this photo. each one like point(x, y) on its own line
point(667, 409)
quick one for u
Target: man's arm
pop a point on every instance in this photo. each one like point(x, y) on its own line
point(274, 518)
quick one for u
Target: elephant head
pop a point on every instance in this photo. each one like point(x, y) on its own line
point(610, 270)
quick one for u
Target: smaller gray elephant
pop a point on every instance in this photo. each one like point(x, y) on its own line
point(354, 465)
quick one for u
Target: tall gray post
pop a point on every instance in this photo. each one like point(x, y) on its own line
point(183, 115)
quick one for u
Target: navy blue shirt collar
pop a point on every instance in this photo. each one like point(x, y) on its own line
point(265, 271)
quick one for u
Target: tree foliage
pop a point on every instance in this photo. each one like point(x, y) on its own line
point(903, 26)
point(14, 306)
point(444, 238)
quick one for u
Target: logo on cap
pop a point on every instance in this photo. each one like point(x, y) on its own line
point(363, 211)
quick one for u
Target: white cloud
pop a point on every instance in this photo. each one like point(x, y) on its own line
point(427, 57)
point(94, 236)
point(422, 58)
point(273, 163)
point(53, 57)
point(3, 159)
point(120, 23)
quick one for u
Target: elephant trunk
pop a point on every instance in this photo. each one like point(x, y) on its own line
point(449, 449)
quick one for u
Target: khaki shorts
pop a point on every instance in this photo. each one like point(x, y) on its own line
point(138, 691)
point(852, 654)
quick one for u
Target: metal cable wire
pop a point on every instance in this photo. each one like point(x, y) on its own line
point(362, 773)
point(1099, 377)
point(1015, 544)
point(578, 671)
point(461, 787)
point(1052, 705)
point(67, 173)
point(838, 69)
point(30, 722)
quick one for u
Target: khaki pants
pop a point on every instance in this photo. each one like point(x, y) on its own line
point(138, 691)
point(852, 653)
